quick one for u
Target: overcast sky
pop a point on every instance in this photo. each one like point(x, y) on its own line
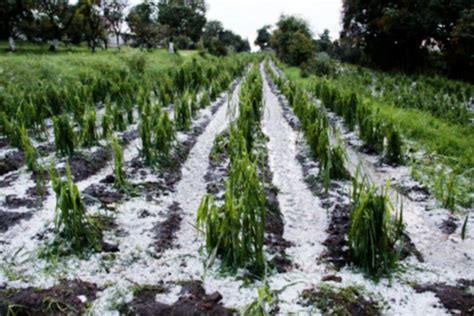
point(244, 17)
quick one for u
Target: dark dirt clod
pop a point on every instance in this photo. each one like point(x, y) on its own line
point(331, 277)
point(11, 162)
point(457, 299)
point(97, 192)
point(82, 166)
point(13, 201)
point(193, 301)
point(129, 136)
point(46, 149)
point(34, 198)
point(9, 219)
point(62, 299)
point(166, 230)
point(8, 180)
point(416, 192)
point(449, 225)
point(3, 143)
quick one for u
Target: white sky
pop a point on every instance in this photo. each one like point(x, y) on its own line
point(244, 17)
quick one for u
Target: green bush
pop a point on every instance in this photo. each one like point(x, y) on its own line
point(373, 232)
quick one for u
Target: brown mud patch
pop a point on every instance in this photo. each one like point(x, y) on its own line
point(83, 166)
point(458, 299)
point(193, 301)
point(66, 298)
point(12, 161)
point(9, 219)
point(166, 230)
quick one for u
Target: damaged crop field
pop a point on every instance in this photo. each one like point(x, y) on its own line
point(148, 183)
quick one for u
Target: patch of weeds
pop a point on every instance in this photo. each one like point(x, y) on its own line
point(347, 301)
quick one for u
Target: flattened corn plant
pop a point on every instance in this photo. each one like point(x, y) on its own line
point(375, 229)
point(75, 232)
point(31, 154)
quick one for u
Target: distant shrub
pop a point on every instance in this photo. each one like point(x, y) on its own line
point(320, 65)
point(136, 62)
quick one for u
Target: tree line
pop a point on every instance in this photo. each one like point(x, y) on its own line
point(410, 36)
point(146, 25)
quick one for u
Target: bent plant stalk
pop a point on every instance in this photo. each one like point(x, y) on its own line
point(74, 230)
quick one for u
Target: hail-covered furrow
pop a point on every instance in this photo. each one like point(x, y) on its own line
point(130, 216)
point(305, 220)
point(402, 296)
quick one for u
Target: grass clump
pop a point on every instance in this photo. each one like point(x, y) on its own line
point(373, 231)
point(74, 231)
point(89, 133)
point(164, 135)
point(64, 138)
point(182, 110)
point(344, 301)
point(120, 181)
point(31, 154)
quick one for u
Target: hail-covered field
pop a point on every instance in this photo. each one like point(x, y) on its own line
point(219, 187)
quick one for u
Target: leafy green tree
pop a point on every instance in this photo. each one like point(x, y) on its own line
point(11, 13)
point(94, 28)
point(219, 41)
point(142, 21)
point(115, 16)
point(292, 40)
point(182, 19)
point(263, 37)
point(53, 20)
point(403, 34)
point(324, 43)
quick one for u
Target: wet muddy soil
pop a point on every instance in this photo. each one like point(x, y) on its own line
point(193, 300)
point(166, 230)
point(9, 219)
point(458, 299)
point(66, 298)
point(11, 161)
point(83, 166)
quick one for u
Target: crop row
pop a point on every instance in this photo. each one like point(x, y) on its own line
point(375, 227)
point(446, 99)
point(75, 231)
point(235, 230)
